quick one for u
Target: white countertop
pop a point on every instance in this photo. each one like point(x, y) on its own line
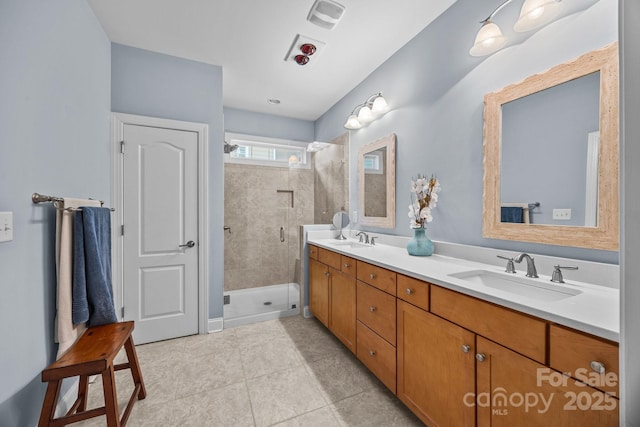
point(595, 310)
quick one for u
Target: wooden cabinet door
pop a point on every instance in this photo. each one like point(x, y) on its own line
point(342, 319)
point(435, 372)
point(319, 291)
point(514, 390)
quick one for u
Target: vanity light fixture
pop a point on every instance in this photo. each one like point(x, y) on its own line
point(533, 14)
point(372, 109)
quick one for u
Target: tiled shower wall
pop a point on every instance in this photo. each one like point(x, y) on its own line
point(255, 210)
point(331, 181)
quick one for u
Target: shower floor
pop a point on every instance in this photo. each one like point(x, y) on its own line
point(259, 304)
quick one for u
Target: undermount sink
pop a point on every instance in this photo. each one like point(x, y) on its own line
point(523, 286)
point(349, 244)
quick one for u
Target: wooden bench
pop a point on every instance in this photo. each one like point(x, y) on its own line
point(93, 354)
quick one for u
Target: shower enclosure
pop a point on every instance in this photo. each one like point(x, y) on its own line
point(268, 194)
point(272, 187)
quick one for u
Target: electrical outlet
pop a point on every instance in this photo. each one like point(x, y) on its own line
point(562, 214)
point(354, 217)
point(6, 226)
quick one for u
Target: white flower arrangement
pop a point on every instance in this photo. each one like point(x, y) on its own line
point(424, 198)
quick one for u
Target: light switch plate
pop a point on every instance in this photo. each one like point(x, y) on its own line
point(562, 214)
point(6, 226)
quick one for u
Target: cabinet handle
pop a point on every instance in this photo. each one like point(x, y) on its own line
point(480, 357)
point(372, 353)
point(372, 309)
point(372, 276)
point(409, 291)
point(466, 348)
point(326, 273)
point(597, 367)
point(346, 265)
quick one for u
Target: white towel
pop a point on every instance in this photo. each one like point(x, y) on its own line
point(66, 331)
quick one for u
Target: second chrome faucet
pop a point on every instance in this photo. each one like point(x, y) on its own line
point(531, 266)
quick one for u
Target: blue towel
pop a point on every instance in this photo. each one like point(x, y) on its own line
point(92, 299)
point(511, 214)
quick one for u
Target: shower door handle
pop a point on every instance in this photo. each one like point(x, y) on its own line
point(189, 244)
point(282, 234)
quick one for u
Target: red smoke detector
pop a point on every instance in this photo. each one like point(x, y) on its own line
point(301, 59)
point(308, 49)
point(303, 48)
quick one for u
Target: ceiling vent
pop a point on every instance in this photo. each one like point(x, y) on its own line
point(325, 13)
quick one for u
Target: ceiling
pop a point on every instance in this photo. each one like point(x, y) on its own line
point(250, 40)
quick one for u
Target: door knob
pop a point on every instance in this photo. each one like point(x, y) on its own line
point(189, 244)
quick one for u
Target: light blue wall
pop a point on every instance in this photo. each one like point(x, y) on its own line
point(267, 125)
point(54, 139)
point(436, 91)
point(152, 84)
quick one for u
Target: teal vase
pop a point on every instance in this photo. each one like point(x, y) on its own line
point(420, 244)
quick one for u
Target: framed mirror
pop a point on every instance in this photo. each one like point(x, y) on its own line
point(551, 156)
point(377, 183)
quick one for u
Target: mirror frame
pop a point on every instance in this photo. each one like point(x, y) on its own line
point(389, 221)
point(605, 235)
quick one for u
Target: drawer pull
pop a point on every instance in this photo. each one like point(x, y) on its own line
point(372, 353)
point(409, 291)
point(480, 357)
point(372, 309)
point(466, 348)
point(372, 276)
point(347, 265)
point(597, 367)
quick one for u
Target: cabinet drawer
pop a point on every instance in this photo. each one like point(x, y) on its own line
point(332, 259)
point(519, 332)
point(313, 252)
point(573, 352)
point(377, 310)
point(348, 265)
point(377, 355)
point(379, 277)
point(413, 291)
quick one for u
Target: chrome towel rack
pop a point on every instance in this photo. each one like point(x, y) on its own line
point(41, 198)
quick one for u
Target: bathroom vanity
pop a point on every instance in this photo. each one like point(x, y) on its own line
point(461, 348)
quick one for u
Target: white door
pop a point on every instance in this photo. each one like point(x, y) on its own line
point(160, 242)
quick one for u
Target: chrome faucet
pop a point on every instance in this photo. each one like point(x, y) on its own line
point(364, 235)
point(531, 267)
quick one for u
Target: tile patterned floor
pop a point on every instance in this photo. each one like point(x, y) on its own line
point(286, 373)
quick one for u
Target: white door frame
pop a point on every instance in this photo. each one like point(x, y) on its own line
point(118, 120)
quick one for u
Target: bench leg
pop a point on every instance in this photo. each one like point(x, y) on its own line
point(83, 390)
point(110, 397)
point(50, 403)
point(132, 357)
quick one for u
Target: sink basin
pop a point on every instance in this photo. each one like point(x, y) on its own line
point(535, 289)
point(348, 244)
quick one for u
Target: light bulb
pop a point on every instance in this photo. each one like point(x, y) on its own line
point(536, 13)
point(488, 40)
point(379, 106)
point(365, 115)
point(353, 122)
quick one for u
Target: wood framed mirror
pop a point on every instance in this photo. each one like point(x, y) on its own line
point(539, 184)
point(377, 183)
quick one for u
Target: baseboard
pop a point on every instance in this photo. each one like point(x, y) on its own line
point(216, 325)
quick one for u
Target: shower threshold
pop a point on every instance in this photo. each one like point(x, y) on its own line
point(260, 304)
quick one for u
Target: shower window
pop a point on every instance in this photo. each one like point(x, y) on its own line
point(267, 152)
